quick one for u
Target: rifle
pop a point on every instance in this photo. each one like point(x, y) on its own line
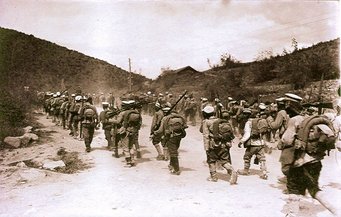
point(170, 110)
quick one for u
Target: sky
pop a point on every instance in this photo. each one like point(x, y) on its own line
point(173, 34)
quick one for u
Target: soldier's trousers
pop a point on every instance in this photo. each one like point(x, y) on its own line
point(253, 150)
point(128, 143)
point(107, 134)
point(88, 134)
point(221, 154)
point(173, 144)
point(304, 177)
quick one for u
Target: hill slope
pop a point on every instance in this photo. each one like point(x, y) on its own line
point(296, 70)
point(42, 65)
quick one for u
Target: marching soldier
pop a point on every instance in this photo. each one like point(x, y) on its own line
point(218, 135)
point(131, 121)
point(89, 118)
point(156, 122)
point(172, 128)
point(253, 140)
point(106, 125)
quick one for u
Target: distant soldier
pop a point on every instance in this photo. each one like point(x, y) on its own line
point(254, 141)
point(156, 122)
point(115, 135)
point(47, 104)
point(102, 98)
point(63, 111)
point(89, 118)
point(193, 108)
point(172, 128)
point(75, 117)
point(218, 136)
point(106, 125)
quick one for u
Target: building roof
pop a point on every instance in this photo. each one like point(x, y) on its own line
point(185, 69)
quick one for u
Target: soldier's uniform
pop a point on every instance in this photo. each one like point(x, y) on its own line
point(63, 112)
point(88, 124)
point(172, 140)
point(75, 117)
point(216, 149)
point(156, 122)
point(129, 133)
point(254, 144)
point(106, 126)
point(305, 156)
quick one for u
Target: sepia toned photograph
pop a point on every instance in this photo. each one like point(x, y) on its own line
point(170, 108)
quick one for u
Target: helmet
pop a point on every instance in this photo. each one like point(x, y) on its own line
point(73, 95)
point(58, 93)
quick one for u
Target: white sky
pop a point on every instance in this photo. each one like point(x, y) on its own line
point(156, 34)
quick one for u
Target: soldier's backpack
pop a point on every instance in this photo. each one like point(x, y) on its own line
point(222, 131)
point(308, 141)
point(259, 126)
point(132, 119)
point(89, 114)
point(176, 123)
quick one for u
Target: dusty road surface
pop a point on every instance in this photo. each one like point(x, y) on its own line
point(108, 188)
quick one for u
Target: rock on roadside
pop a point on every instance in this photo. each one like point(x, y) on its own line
point(28, 129)
point(23, 140)
point(52, 165)
point(13, 141)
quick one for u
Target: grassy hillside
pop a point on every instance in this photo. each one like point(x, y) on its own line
point(296, 70)
point(45, 66)
point(42, 65)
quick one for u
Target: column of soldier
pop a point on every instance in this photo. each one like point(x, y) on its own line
point(303, 136)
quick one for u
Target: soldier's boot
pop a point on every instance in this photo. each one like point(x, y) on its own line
point(213, 177)
point(175, 164)
point(232, 172)
point(244, 172)
point(138, 154)
point(263, 174)
point(87, 148)
point(160, 156)
point(130, 162)
point(166, 154)
point(116, 153)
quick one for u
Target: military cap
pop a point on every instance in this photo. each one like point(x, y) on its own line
point(293, 97)
point(204, 99)
point(247, 110)
point(208, 109)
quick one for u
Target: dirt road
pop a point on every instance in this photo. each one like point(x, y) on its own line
point(109, 189)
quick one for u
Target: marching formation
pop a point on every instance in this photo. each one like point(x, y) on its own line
point(304, 134)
